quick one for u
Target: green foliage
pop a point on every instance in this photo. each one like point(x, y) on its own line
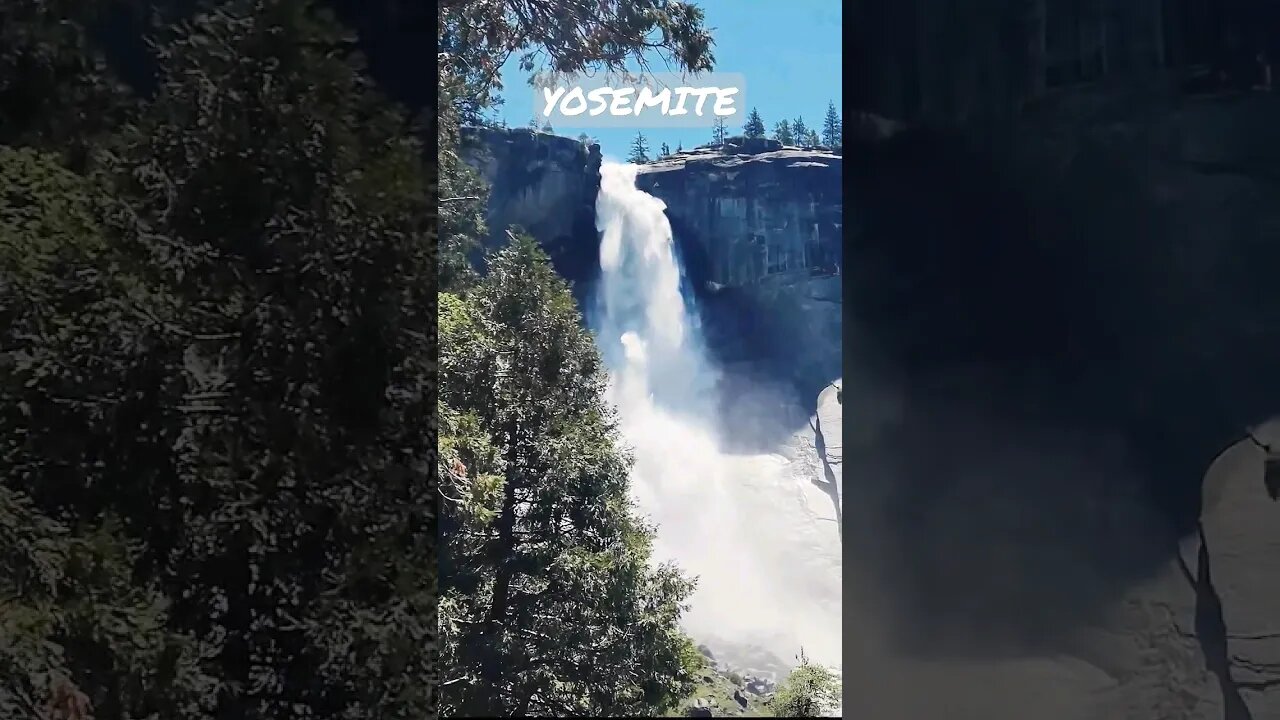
point(295, 345)
point(71, 612)
point(755, 126)
point(47, 219)
point(69, 609)
point(549, 605)
point(224, 339)
point(808, 691)
point(55, 90)
point(613, 35)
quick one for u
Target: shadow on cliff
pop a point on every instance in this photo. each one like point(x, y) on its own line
point(1059, 387)
point(766, 394)
point(828, 484)
point(1211, 630)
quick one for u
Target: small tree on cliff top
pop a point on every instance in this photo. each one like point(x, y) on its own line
point(832, 128)
point(639, 150)
point(800, 131)
point(782, 133)
point(755, 126)
point(718, 132)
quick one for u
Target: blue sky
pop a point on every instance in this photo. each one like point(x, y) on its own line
point(789, 52)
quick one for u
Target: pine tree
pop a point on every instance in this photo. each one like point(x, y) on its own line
point(800, 131)
point(718, 132)
point(832, 133)
point(679, 147)
point(782, 133)
point(533, 124)
point(584, 138)
point(544, 550)
point(812, 139)
point(754, 127)
point(546, 128)
point(666, 150)
point(639, 150)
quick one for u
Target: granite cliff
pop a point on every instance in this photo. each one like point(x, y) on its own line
point(546, 184)
point(758, 228)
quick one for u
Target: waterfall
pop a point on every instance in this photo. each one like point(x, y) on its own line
point(750, 527)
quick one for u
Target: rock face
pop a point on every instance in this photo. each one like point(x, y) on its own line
point(758, 226)
point(753, 217)
point(546, 184)
point(763, 223)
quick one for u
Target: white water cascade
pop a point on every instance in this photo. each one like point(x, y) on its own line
point(755, 530)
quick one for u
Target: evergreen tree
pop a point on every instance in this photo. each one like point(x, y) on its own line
point(538, 516)
point(832, 133)
point(546, 128)
point(718, 132)
point(800, 131)
point(666, 150)
point(782, 133)
point(812, 139)
point(755, 126)
point(584, 138)
point(533, 124)
point(639, 150)
point(679, 147)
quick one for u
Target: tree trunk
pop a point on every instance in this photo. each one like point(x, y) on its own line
point(505, 561)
